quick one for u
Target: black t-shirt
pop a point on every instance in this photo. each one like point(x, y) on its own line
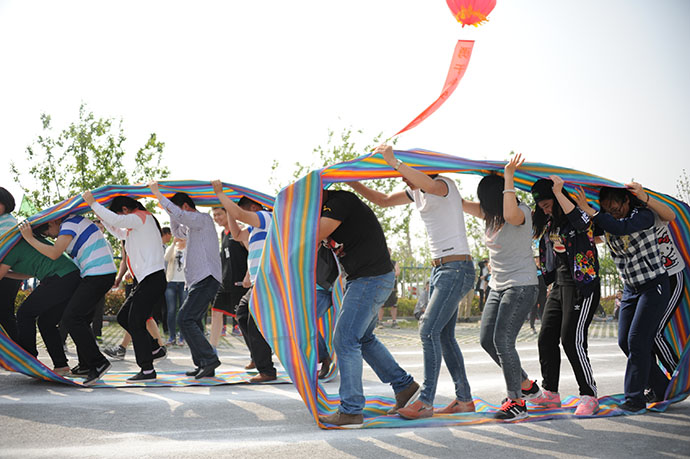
point(364, 252)
point(233, 258)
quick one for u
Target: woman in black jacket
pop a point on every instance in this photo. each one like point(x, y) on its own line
point(569, 259)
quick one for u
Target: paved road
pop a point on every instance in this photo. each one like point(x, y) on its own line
point(39, 419)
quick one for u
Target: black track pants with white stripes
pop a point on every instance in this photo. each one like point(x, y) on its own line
point(566, 319)
point(663, 349)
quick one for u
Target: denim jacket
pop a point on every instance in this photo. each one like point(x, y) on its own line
point(577, 232)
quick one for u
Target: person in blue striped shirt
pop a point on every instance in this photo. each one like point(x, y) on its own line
point(253, 238)
point(81, 239)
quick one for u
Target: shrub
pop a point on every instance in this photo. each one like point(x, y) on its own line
point(21, 296)
point(113, 300)
point(608, 303)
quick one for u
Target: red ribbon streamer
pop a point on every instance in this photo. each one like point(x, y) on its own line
point(461, 58)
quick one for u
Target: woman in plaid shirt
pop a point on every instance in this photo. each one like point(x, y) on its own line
point(630, 228)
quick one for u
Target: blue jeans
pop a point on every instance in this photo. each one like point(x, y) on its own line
point(324, 300)
point(194, 308)
point(448, 284)
point(504, 313)
point(354, 339)
point(641, 312)
point(175, 294)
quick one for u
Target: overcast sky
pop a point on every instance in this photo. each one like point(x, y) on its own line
point(600, 86)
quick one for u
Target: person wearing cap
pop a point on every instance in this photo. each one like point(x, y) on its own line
point(569, 260)
point(440, 205)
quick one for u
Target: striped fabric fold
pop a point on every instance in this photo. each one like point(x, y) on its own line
point(284, 299)
point(284, 295)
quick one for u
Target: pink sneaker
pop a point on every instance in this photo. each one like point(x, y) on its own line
point(588, 406)
point(548, 399)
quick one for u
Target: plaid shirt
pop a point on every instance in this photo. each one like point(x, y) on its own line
point(636, 255)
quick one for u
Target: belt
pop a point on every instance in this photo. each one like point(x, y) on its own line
point(449, 258)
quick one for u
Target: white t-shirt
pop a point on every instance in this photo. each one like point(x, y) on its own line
point(510, 254)
point(673, 261)
point(444, 220)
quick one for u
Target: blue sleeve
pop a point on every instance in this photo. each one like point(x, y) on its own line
point(264, 219)
point(640, 219)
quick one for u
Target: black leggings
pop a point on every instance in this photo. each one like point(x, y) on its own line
point(79, 313)
point(8, 294)
point(136, 310)
point(663, 349)
point(258, 347)
point(45, 306)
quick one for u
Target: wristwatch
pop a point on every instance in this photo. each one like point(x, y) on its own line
point(397, 165)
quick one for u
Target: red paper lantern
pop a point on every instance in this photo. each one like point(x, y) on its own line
point(471, 12)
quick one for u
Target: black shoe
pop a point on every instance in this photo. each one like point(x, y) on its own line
point(97, 373)
point(116, 352)
point(160, 354)
point(632, 408)
point(651, 396)
point(142, 377)
point(208, 370)
point(192, 372)
point(325, 367)
point(511, 410)
point(80, 370)
point(531, 393)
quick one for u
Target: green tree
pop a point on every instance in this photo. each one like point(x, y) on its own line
point(344, 147)
point(89, 153)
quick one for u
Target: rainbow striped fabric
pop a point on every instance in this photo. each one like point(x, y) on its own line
point(14, 358)
point(284, 296)
point(201, 192)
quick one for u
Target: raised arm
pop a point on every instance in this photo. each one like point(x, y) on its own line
point(184, 217)
point(112, 221)
point(664, 211)
point(473, 208)
point(234, 211)
point(380, 199)
point(640, 220)
point(51, 251)
point(415, 177)
point(511, 213)
point(565, 203)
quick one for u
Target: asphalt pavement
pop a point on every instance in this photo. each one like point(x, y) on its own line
point(42, 419)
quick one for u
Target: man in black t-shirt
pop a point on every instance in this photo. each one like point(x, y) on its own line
point(358, 240)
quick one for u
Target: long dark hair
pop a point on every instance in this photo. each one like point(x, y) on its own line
point(132, 204)
point(7, 200)
point(125, 201)
point(607, 193)
point(540, 219)
point(490, 194)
